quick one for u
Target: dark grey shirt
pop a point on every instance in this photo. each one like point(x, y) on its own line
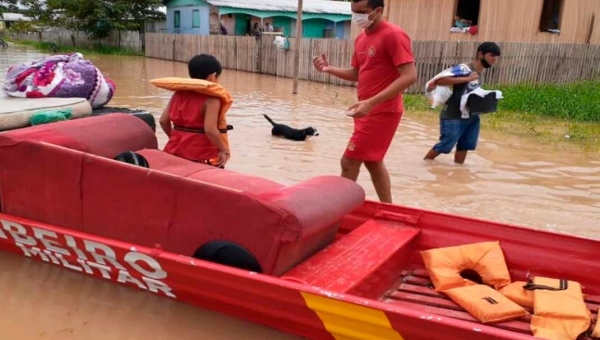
point(451, 109)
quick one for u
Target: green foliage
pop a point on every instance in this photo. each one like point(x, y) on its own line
point(575, 102)
point(22, 26)
point(36, 10)
point(9, 6)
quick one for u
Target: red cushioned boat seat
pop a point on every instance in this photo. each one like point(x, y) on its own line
point(168, 163)
point(105, 136)
point(39, 184)
point(180, 206)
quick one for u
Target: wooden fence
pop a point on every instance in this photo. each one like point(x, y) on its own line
point(251, 54)
point(130, 41)
point(532, 63)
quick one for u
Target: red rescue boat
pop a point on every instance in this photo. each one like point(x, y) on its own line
point(313, 259)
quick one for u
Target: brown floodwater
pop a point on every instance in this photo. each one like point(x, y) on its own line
point(510, 178)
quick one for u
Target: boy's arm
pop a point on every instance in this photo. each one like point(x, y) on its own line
point(165, 122)
point(211, 121)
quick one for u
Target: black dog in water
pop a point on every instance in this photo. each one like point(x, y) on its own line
point(291, 133)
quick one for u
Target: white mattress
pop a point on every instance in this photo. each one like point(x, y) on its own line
point(16, 112)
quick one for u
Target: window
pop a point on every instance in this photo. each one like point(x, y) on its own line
point(195, 18)
point(467, 13)
point(177, 19)
point(551, 15)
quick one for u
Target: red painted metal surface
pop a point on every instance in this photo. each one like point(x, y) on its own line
point(362, 263)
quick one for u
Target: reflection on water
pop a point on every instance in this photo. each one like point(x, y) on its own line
point(513, 179)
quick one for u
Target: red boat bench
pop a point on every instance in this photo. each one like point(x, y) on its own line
point(170, 164)
point(62, 174)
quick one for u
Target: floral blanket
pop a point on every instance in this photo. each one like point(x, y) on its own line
point(64, 76)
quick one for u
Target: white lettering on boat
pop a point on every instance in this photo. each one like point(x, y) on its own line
point(93, 258)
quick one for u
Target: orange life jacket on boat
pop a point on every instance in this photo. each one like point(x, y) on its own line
point(596, 331)
point(560, 312)
point(486, 304)
point(515, 292)
point(188, 139)
point(445, 265)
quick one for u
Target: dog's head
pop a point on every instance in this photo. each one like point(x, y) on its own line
point(312, 131)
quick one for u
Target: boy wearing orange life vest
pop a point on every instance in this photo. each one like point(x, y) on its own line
point(196, 128)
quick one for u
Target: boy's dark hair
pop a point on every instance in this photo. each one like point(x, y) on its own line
point(372, 3)
point(202, 65)
point(489, 47)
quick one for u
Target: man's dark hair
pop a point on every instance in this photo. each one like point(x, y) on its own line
point(372, 3)
point(489, 47)
point(203, 65)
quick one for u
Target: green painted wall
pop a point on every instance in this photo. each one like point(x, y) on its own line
point(313, 28)
point(292, 15)
point(241, 24)
point(284, 22)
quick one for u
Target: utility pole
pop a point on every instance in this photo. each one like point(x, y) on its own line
point(298, 43)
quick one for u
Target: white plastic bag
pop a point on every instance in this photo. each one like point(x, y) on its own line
point(281, 43)
point(439, 95)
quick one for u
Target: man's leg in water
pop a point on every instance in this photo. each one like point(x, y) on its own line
point(432, 154)
point(460, 156)
point(350, 168)
point(369, 143)
point(468, 139)
point(450, 132)
point(381, 180)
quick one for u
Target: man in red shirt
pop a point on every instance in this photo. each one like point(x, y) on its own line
point(383, 65)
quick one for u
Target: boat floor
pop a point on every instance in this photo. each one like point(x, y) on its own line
point(415, 290)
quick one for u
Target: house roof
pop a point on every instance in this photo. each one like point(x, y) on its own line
point(309, 6)
point(14, 17)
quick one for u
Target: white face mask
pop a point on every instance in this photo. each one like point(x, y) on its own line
point(362, 20)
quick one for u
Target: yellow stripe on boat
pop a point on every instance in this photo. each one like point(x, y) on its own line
point(346, 321)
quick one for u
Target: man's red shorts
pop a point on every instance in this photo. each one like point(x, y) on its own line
point(372, 136)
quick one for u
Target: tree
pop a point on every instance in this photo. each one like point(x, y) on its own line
point(9, 6)
point(96, 17)
point(37, 11)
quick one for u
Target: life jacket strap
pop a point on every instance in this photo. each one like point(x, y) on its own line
point(200, 130)
point(563, 285)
